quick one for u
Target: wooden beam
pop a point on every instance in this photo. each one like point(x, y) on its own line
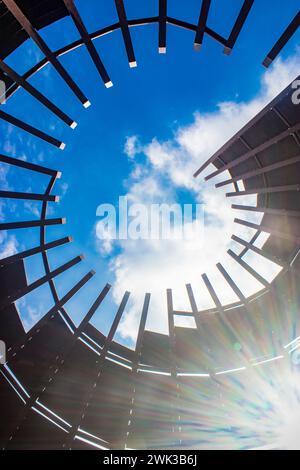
point(125, 32)
point(34, 251)
point(34, 35)
point(248, 268)
point(60, 359)
point(282, 41)
point(239, 23)
point(254, 151)
point(213, 294)
point(31, 130)
point(28, 196)
point(267, 210)
point(39, 282)
point(218, 154)
point(30, 166)
point(261, 171)
point(192, 299)
point(20, 81)
point(100, 362)
point(12, 351)
point(231, 283)
point(266, 228)
point(74, 13)
point(162, 27)
point(231, 331)
point(201, 24)
point(115, 324)
point(31, 223)
point(171, 331)
point(191, 27)
point(92, 310)
point(268, 189)
point(259, 251)
point(139, 341)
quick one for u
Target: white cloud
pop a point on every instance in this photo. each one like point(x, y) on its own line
point(3, 176)
point(29, 314)
point(132, 146)
point(8, 245)
point(153, 266)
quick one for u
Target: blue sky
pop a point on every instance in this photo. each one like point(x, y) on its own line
point(156, 104)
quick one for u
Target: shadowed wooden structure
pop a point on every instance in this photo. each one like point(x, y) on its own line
point(75, 388)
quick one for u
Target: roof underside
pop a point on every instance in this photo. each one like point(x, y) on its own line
point(83, 380)
point(41, 13)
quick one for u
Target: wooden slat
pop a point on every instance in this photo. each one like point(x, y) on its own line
point(34, 35)
point(162, 27)
point(125, 32)
point(239, 23)
point(31, 130)
point(70, 5)
point(282, 41)
point(201, 24)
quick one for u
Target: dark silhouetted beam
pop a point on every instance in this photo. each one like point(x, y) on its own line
point(284, 38)
point(68, 296)
point(100, 362)
point(162, 27)
point(29, 196)
point(266, 210)
point(271, 189)
point(232, 333)
point(191, 27)
point(39, 282)
point(253, 152)
point(270, 106)
point(260, 171)
point(212, 293)
point(218, 304)
point(183, 313)
point(125, 32)
point(193, 304)
point(115, 323)
point(48, 190)
point(242, 299)
point(37, 94)
point(265, 228)
point(114, 27)
point(60, 359)
point(248, 268)
point(139, 341)
point(58, 305)
point(259, 251)
point(242, 16)
point(104, 351)
point(32, 130)
point(93, 309)
point(34, 251)
point(140, 22)
point(33, 34)
point(201, 24)
point(171, 331)
point(31, 223)
point(231, 283)
point(192, 299)
point(286, 121)
point(87, 41)
point(29, 166)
